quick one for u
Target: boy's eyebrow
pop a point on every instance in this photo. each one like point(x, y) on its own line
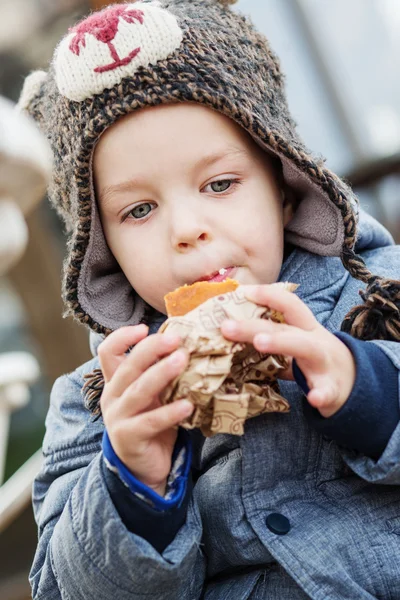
point(106, 194)
point(230, 152)
point(126, 186)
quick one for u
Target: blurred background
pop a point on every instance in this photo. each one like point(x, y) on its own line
point(342, 65)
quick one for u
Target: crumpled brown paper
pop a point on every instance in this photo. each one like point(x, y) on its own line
point(228, 382)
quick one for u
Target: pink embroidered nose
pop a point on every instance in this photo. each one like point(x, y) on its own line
point(104, 25)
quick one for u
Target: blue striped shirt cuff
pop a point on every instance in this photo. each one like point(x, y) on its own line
point(177, 482)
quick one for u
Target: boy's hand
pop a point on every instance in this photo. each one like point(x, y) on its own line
point(141, 431)
point(327, 363)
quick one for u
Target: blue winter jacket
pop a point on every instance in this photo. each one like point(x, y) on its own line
point(343, 507)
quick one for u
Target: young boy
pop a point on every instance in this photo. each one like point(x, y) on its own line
point(175, 157)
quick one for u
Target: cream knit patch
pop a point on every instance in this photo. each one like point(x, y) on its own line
point(112, 44)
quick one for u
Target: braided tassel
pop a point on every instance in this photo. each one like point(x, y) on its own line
point(92, 390)
point(379, 317)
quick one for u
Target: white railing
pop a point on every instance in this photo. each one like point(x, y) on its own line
point(25, 165)
point(17, 371)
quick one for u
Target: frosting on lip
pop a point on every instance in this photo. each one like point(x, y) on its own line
point(220, 275)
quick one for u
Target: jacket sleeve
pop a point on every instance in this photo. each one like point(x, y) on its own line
point(156, 519)
point(368, 418)
point(85, 551)
point(385, 470)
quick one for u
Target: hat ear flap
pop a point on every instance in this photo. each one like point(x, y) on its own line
point(31, 93)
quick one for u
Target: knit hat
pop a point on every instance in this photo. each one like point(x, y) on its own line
point(142, 54)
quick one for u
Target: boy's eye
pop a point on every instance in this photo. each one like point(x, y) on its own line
point(141, 211)
point(221, 186)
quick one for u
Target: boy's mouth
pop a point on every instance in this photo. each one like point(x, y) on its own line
point(220, 275)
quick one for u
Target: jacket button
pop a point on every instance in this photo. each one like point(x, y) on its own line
point(278, 523)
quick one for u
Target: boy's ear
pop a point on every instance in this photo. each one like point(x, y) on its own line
point(30, 92)
point(289, 204)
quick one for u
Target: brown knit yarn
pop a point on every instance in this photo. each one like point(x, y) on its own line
point(92, 390)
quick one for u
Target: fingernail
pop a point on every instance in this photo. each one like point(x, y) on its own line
point(186, 406)
point(170, 338)
point(262, 341)
point(177, 358)
point(230, 327)
point(248, 289)
point(252, 292)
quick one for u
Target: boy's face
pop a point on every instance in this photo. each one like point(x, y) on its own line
point(184, 192)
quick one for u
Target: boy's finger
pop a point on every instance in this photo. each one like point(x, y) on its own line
point(324, 398)
point(131, 403)
point(276, 338)
point(111, 351)
point(295, 343)
point(289, 304)
point(143, 392)
point(152, 423)
point(143, 356)
point(245, 331)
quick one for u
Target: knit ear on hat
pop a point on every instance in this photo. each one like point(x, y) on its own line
point(30, 92)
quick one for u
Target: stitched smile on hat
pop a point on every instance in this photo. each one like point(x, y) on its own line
point(107, 46)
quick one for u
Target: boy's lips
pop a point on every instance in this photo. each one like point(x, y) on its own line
point(218, 276)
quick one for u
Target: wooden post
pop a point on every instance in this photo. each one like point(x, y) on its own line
point(63, 344)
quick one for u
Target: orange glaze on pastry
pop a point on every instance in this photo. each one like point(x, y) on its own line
point(186, 298)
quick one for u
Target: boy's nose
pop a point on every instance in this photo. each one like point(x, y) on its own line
point(187, 232)
point(192, 241)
